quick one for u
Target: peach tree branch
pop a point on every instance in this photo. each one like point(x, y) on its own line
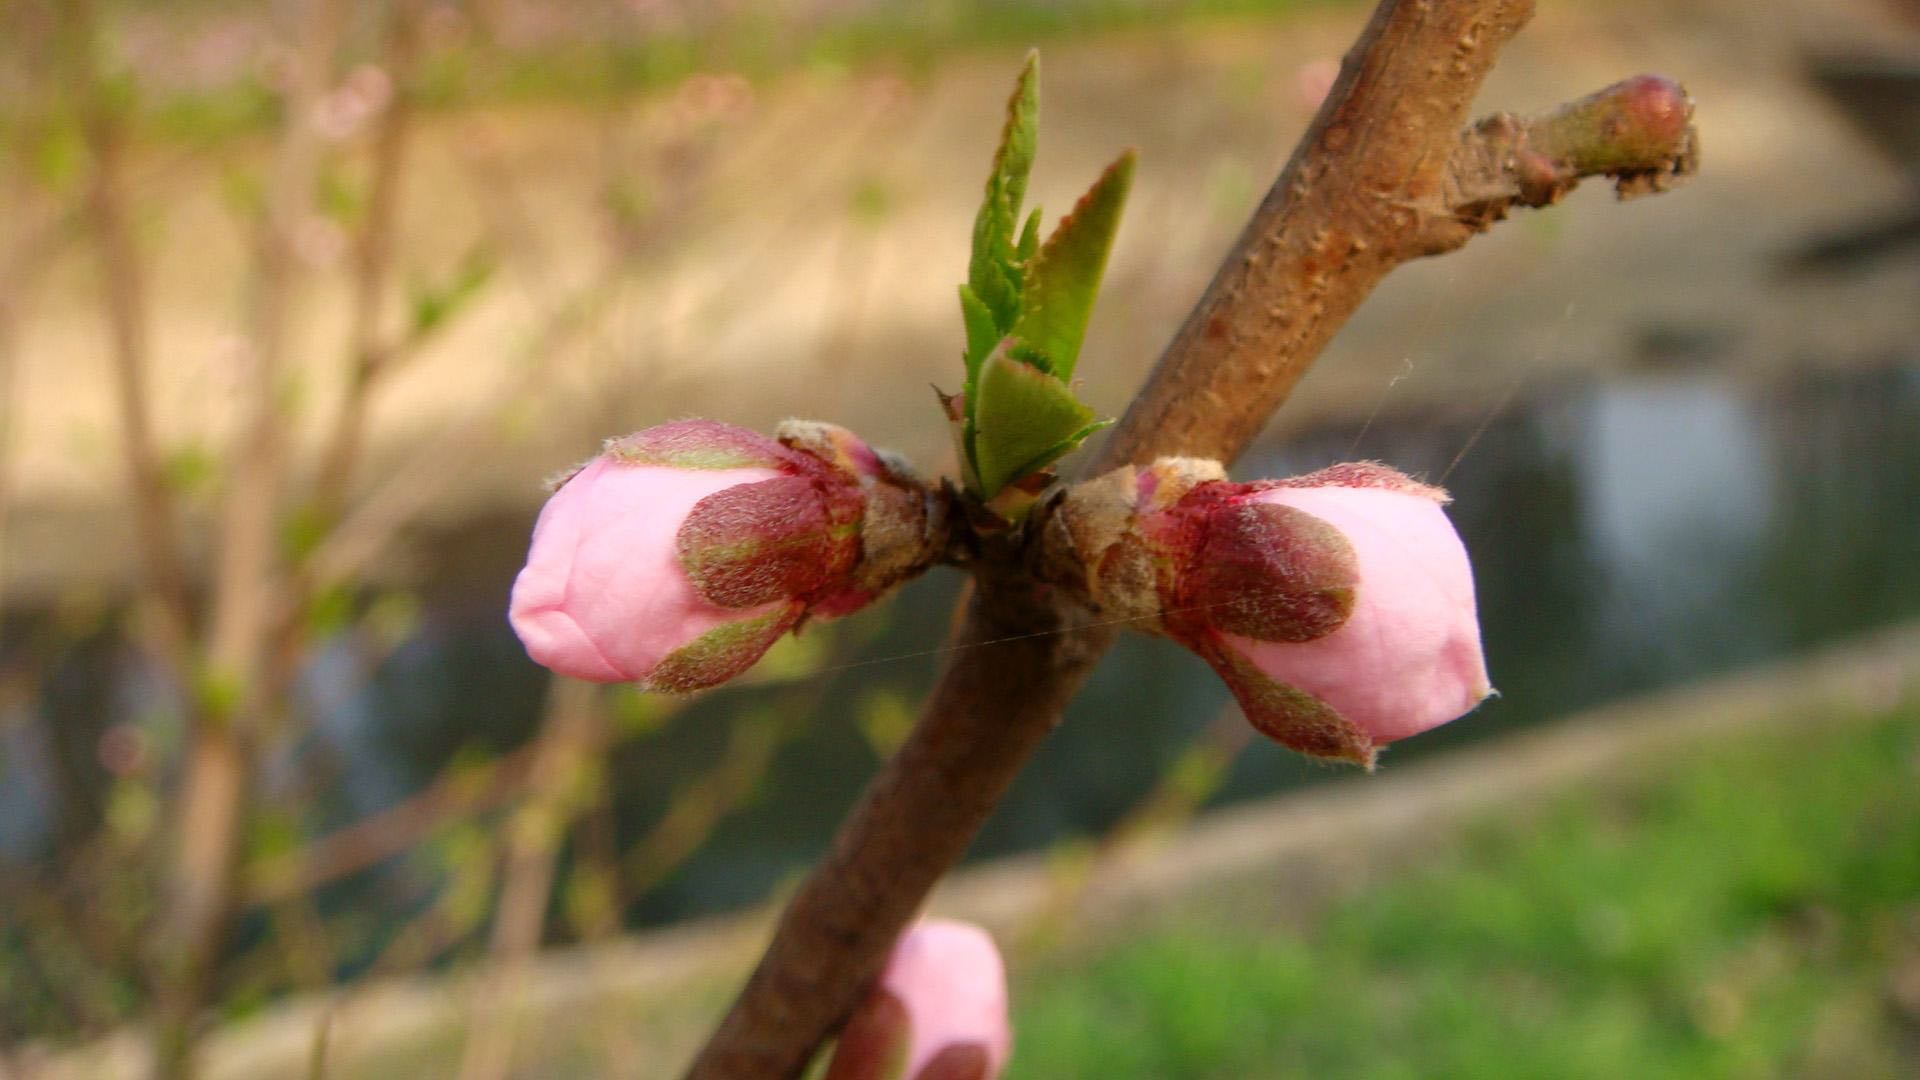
point(1371, 185)
point(1638, 132)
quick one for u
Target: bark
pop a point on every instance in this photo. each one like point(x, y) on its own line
point(1383, 175)
point(373, 252)
point(911, 825)
point(124, 283)
point(574, 734)
point(231, 700)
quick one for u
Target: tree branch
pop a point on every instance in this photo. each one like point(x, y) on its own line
point(203, 884)
point(1362, 193)
point(1638, 131)
point(390, 832)
point(126, 309)
point(372, 352)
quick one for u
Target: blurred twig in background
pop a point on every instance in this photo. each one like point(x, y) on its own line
point(1162, 811)
point(235, 611)
point(572, 736)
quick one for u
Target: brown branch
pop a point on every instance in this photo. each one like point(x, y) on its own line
point(1638, 131)
point(988, 713)
point(126, 308)
point(1356, 199)
point(700, 805)
point(572, 735)
point(390, 832)
point(1384, 175)
point(372, 353)
point(363, 534)
point(231, 697)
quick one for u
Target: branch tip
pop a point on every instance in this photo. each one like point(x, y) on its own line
point(1639, 132)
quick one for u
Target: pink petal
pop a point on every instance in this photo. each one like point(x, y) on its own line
point(602, 596)
point(1409, 657)
point(944, 991)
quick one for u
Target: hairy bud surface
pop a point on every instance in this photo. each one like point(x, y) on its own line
point(682, 552)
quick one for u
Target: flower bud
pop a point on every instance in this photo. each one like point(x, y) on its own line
point(937, 1012)
point(682, 552)
point(1337, 606)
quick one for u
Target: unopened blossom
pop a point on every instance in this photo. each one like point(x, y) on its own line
point(682, 552)
point(1337, 606)
point(937, 1012)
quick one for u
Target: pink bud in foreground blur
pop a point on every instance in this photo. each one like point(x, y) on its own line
point(937, 1012)
point(1338, 606)
point(681, 553)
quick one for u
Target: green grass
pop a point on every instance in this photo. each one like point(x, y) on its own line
point(1750, 910)
point(1746, 913)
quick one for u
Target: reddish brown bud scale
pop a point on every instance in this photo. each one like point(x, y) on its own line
point(1272, 573)
point(756, 543)
point(1361, 474)
point(1288, 715)
point(968, 1061)
point(698, 444)
point(723, 652)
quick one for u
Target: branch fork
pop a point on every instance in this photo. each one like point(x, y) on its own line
point(1391, 125)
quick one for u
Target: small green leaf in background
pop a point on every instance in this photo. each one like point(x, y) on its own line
point(339, 196)
point(1063, 278)
point(57, 155)
point(436, 302)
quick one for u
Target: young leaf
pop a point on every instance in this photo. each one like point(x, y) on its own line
point(992, 273)
point(1022, 420)
point(1062, 448)
point(1018, 140)
point(982, 334)
point(1064, 277)
point(960, 429)
point(1029, 238)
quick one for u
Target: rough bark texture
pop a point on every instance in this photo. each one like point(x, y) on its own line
point(1384, 174)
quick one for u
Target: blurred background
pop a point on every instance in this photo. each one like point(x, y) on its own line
point(300, 301)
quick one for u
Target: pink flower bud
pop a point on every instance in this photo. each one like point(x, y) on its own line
point(681, 553)
point(937, 1012)
point(1407, 655)
point(1337, 606)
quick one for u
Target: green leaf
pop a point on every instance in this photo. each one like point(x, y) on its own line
point(1024, 420)
point(1064, 276)
point(1027, 354)
point(982, 334)
point(991, 275)
point(959, 418)
point(1018, 139)
point(436, 302)
point(1029, 238)
point(991, 272)
point(58, 155)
